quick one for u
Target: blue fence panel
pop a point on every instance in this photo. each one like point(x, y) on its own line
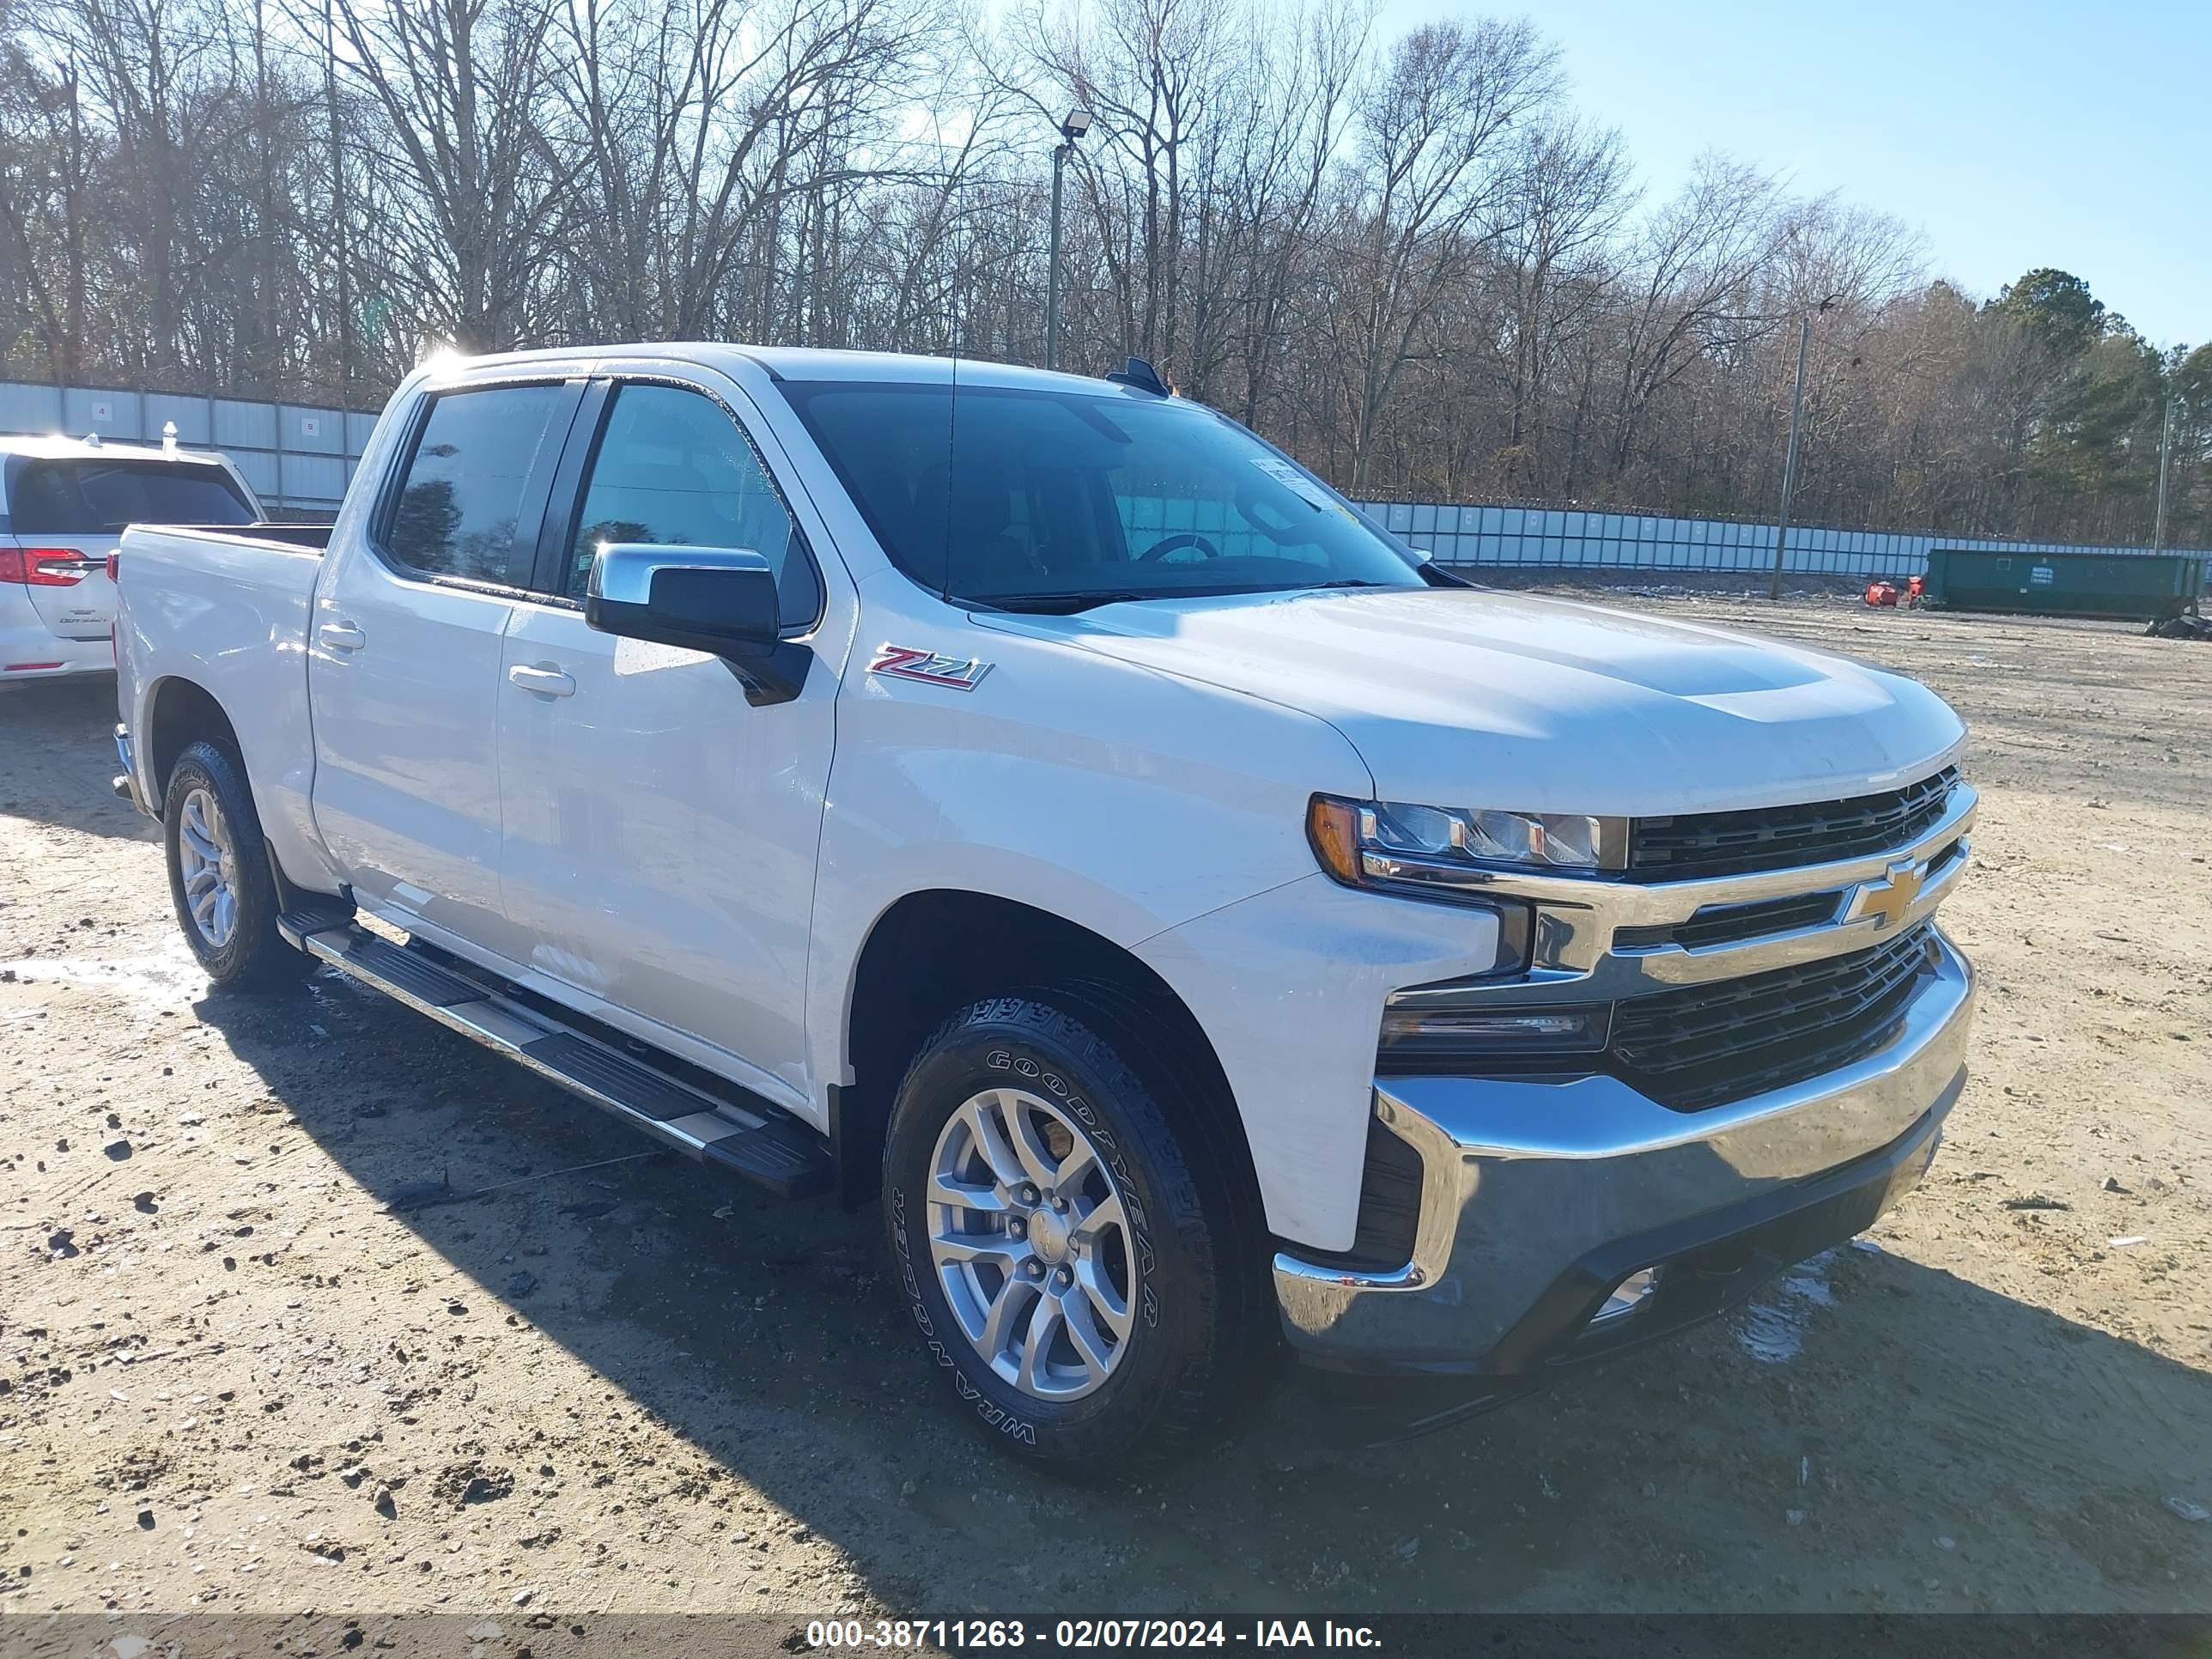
point(295, 456)
point(312, 477)
point(316, 431)
point(194, 418)
point(244, 426)
point(30, 408)
point(111, 414)
point(1570, 538)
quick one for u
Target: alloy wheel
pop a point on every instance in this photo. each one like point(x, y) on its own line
point(1032, 1243)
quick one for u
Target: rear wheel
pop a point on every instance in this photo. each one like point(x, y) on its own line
point(218, 873)
point(1076, 1268)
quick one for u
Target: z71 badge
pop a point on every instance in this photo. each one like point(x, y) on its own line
point(907, 663)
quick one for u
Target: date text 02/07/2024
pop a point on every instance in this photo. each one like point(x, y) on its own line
point(1084, 1634)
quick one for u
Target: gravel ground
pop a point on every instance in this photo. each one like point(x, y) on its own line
point(232, 1378)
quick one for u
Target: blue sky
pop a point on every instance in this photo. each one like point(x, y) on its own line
point(2011, 134)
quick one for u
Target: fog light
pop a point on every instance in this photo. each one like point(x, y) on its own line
point(1627, 1295)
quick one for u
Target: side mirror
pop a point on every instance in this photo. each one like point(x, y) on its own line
point(721, 599)
point(718, 599)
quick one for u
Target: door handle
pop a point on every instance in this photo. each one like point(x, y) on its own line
point(341, 636)
point(543, 682)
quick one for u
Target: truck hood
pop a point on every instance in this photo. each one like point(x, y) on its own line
point(1470, 698)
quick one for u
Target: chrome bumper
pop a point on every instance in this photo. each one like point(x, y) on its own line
point(1534, 1193)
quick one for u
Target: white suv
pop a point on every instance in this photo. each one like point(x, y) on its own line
point(64, 503)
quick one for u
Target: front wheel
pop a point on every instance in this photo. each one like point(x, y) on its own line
point(1073, 1265)
point(218, 873)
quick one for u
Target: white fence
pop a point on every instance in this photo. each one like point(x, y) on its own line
point(296, 456)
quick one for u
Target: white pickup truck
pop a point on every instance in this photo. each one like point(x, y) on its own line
point(1038, 802)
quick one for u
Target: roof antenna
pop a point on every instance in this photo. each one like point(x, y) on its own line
point(1143, 376)
point(169, 439)
point(92, 440)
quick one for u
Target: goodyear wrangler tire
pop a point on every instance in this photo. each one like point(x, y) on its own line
point(1072, 1264)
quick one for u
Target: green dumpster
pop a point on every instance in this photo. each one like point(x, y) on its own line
point(2138, 586)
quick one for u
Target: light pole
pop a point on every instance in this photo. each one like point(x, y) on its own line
point(2165, 458)
point(1072, 126)
point(1790, 461)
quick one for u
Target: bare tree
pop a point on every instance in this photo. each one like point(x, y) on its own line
point(462, 85)
point(1405, 259)
point(1570, 194)
point(1425, 198)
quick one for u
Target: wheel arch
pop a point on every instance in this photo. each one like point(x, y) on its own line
point(179, 713)
point(935, 951)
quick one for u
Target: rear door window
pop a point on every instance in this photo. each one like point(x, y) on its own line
point(96, 496)
point(463, 490)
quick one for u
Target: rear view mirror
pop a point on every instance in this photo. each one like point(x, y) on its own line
point(718, 599)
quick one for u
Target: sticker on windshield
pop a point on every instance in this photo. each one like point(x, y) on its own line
point(1288, 476)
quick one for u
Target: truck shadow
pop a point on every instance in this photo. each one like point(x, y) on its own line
point(1873, 1434)
point(59, 738)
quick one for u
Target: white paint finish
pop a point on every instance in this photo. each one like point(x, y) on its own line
point(25, 637)
point(1289, 987)
point(1461, 698)
point(79, 612)
point(229, 615)
point(82, 611)
point(659, 835)
point(1117, 797)
point(657, 853)
point(406, 785)
point(659, 832)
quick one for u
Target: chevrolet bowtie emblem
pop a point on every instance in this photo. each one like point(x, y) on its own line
point(1892, 897)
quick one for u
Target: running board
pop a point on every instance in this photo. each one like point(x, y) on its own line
point(754, 1138)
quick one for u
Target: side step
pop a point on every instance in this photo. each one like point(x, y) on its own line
point(746, 1134)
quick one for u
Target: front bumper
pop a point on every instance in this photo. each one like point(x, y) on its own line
point(1537, 1199)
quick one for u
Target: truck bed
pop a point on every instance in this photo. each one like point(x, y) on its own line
point(315, 538)
point(225, 610)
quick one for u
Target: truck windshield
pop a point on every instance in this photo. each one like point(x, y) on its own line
point(91, 497)
point(1056, 501)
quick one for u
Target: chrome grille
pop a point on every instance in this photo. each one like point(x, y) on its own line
point(1729, 924)
point(1708, 1043)
point(1701, 844)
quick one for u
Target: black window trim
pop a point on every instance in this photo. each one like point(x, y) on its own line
point(536, 488)
point(572, 484)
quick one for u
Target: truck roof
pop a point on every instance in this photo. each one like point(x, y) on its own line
point(812, 363)
point(55, 447)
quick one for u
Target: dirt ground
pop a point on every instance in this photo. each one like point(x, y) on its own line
point(231, 1378)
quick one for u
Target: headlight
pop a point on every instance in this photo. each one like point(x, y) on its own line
point(1446, 851)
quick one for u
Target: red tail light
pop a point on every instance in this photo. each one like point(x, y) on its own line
point(114, 564)
point(42, 566)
